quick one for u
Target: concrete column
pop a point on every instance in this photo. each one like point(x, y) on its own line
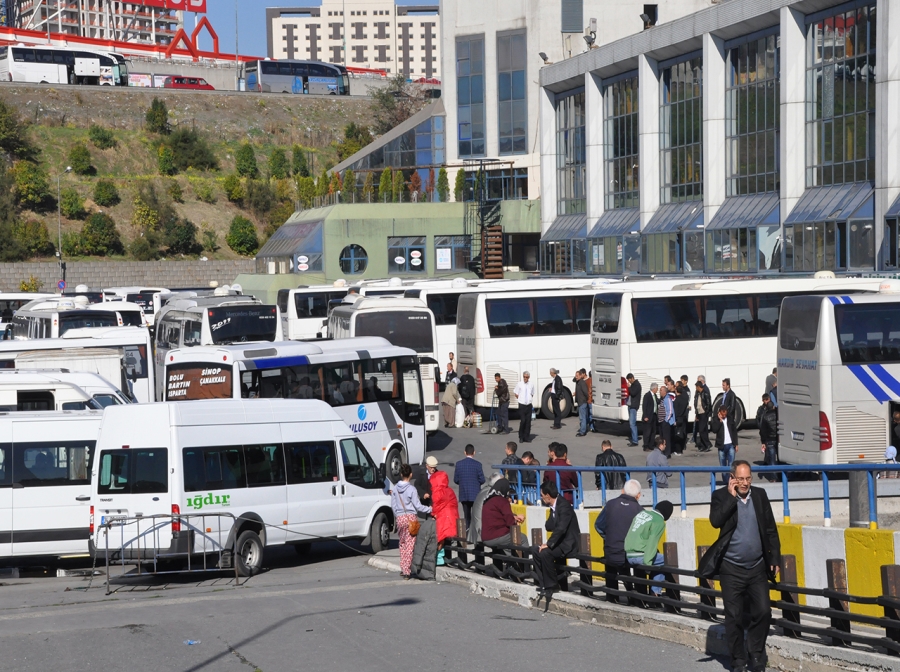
point(714, 159)
point(887, 123)
point(648, 131)
point(548, 158)
point(792, 142)
point(595, 187)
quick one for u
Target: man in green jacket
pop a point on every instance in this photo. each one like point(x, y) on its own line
point(642, 540)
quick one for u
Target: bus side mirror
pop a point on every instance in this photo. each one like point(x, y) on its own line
point(437, 373)
point(382, 472)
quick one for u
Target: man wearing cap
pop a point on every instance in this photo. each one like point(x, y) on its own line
point(642, 540)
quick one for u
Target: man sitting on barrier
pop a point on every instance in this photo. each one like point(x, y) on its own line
point(642, 541)
point(746, 556)
point(564, 538)
point(613, 524)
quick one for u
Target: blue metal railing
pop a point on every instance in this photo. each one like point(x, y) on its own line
point(526, 481)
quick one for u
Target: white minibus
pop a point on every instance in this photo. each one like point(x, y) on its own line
point(10, 302)
point(373, 386)
point(718, 329)
point(304, 311)
point(838, 369)
point(45, 482)
point(55, 390)
point(89, 350)
point(406, 323)
point(288, 472)
point(144, 297)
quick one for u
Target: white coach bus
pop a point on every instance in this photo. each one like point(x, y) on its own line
point(406, 323)
point(45, 482)
point(375, 387)
point(719, 329)
point(838, 368)
point(288, 472)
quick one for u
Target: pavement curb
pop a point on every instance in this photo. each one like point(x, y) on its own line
point(784, 653)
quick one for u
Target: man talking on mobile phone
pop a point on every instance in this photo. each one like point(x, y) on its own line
point(745, 557)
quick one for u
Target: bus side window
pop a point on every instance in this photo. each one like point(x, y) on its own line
point(5, 463)
point(265, 465)
point(358, 466)
point(191, 332)
point(313, 462)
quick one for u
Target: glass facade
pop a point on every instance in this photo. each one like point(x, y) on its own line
point(570, 154)
point(614, 255)
point(563, 257)
point(406, 254)
point(470, 95)
point(840, 99)
point(620, 137)
point(681, 132)
point(508, 184)
point(752, 117)
point(451, 253)
point(511, 93)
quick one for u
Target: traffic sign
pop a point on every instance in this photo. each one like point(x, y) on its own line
point(61, 285)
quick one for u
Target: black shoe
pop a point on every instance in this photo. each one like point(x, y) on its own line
point(580, 434)
point(631, 444)
point(740, 668)
point(647, 450)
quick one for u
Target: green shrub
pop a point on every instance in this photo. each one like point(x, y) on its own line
point(158, 117)
point(105, 194)
point(71, 244)
point(348, 193)
point(260, 197)
point(32, 184)
point(71, 204)
point(191, 150)
point(245, 161)
point(204, 191)
point(33, 284)
point(385, 184)
point(460, 186)
point(173, 189)
point(34, 237)
point(210, 239)
point(102, 138)
point(234, 189)
point(279, 168)
point(306, 191)
point(145, 217)
point(80, 159)
point(300, 165)
point(100, 237)
point(443, 185)
point(180, 237)
point(368, 190)
point(165, 160)
point(13, 133)
point(142, 249)
point(241, 236)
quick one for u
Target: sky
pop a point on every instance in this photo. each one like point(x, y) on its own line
point(252, 20)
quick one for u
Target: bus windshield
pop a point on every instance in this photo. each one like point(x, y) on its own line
point(868, 332)
point(92, 318)
point(606, 313)
point(143, 299)
point(800, 323)
point(404, 329)
point(237, 324)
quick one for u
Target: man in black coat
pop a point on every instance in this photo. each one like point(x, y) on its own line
point(649, 409)
point(767, 421)
point(726, 437)
point(634, 404)
point(467, 389)
point(746, 556)
point(702, 408)
point(564, 538)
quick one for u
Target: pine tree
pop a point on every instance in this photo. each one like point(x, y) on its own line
point(398, 186)
point(299, 166)
point(245, 161)
point(368, 191)
point(429, 184)
point(322, 184)
point(348, 193)
point(335, 185)
point(279, 168)
point(385, 184)
point(443, 185)
point(459, 188)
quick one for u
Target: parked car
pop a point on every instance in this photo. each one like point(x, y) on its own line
point(187, 83)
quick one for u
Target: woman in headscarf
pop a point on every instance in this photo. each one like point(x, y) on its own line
point(445, 509)
point(449, 402)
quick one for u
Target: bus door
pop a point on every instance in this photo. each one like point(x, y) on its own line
point(361, 489)
point(6, 511)
point(413, 410)
point(313, 489)
point(51, 490)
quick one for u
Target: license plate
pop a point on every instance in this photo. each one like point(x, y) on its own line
point(112, 520)
point(605, 395)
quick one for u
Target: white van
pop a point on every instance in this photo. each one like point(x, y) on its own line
point(45, 482)
point(56, 390)
point(283, 471)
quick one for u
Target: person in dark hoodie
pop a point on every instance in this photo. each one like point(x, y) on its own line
point(406, 505)
point(614, 522)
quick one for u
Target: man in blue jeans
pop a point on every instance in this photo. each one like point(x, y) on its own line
point(642, 540)
point(581, 401)
point(634, 404)
point(726, 439)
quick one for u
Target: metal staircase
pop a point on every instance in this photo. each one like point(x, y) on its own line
point(482, 224)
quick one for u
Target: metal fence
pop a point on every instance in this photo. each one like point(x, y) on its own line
point(835, 625)
point(198, 544)
point(526, 481)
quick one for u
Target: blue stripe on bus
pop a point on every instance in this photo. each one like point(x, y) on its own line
point(847, 299)
point(275, 362)
point(890, 382)
point(834, 300)
point(873, 387)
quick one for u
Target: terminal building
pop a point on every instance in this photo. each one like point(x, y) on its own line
point(754, 136)
point(373, 34)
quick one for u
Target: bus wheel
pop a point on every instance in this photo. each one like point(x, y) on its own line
point(566, 405)
point(392, 463)
point(248, 553)
point(380, 534)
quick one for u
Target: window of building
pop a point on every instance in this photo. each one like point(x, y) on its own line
point(621, 144)
point(470, 95)
point(840, 117)
point(354, 260)
point(451, 253)
point(681, 132)
point(570, 154)
point(752, 117)
point(406, 254)
point(504, 184)
point(511, 86)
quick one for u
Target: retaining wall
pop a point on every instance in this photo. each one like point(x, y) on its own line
point(100, 274)
point(864, 550)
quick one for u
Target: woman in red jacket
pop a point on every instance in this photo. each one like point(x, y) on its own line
point(445, 509)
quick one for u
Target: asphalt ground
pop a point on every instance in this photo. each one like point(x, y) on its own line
point(448, 447)
point(328, 610)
